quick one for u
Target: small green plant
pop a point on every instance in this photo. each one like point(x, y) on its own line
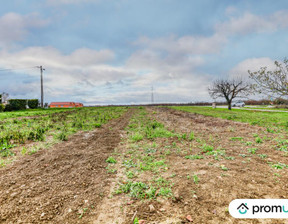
point(262, 156)
point(258, 140)
point(252, 150)
point(130, 174)
point(136, 221)
point(111, 160)
point(195, 179)
point(223, 167)
point(248, 143)
point(84, 210)
point(136, 137)
point(236, 138)
point(279, 165)
point(207, 148)
point(191, 136)
point(194, 157)
point(24, 150)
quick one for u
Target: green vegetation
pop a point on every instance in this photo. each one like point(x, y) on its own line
point(111, 160)
point(269, 120)
point(36, 125)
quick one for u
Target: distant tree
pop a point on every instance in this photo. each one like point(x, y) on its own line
point(229, 89)
point(272, 83)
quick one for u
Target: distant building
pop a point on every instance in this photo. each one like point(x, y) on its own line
point(65, 105)
point(78, 104)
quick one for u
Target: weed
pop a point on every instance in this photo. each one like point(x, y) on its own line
point(130, 174)
point(236, 138)
point(191, 136)
point(252, 150)
point(258, 140)
point(136, 137)
point(279, 165)
point(195, 179)
point(248, 143)
point(223, 167)
point(194, 157)
point(111, 160)
point(207, 148)
point(262, 156)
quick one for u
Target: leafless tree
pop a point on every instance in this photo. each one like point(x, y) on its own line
point(229, 89)
point(272, 83)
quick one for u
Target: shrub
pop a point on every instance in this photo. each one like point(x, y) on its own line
point(8, 107)
point(2, 107)
point(17, 104)
point(33, 104)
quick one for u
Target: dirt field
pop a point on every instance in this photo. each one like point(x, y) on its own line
point(72, 183)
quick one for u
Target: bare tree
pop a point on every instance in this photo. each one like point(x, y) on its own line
point(272, 83)
point(229, 89)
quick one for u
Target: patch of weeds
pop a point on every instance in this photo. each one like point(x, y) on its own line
point(229, 157)
point(258, 140)
point(165, 192)
point(269, 130)
point(110, 169)
point(243, 155)
point(262, 156)
point(252, 150)
point(111, 160)
point(137, 190)
point(223, 167)
point(167, 152)
point(279, 166)
point(24, 150)
point(130, 174)
point(195, 179)
point(255, 135)
point(150, 164)
point(81, 214)
point(207, 148)
point(194, 157)
point(129, 163)
point(191, 136)
point(236, 138)
point(5, 150)
point(277, 175)
point(136, 221)
point(248, 143)
point(136, 137)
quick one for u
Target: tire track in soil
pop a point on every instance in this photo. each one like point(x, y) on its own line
point(55, 185)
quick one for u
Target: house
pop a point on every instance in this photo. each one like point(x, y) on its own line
point(62, 105)
point(78, 104)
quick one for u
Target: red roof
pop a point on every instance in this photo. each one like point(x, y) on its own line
point(62, 103)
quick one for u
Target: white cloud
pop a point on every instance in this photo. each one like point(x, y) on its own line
point(250, 23)
point(15, 27)
point(64, 74)
point(252, 64)
point(184, 45)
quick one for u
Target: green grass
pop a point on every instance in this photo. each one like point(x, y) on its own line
point(260, 118)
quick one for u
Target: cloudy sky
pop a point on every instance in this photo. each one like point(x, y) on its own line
point(113, 51)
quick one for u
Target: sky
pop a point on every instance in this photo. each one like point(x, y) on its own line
point(101, 52)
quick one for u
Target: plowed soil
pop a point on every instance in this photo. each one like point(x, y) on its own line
point(64, 184)
point(69, 183)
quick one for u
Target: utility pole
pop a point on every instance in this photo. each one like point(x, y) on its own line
point(152, 96)
point(42, 91)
